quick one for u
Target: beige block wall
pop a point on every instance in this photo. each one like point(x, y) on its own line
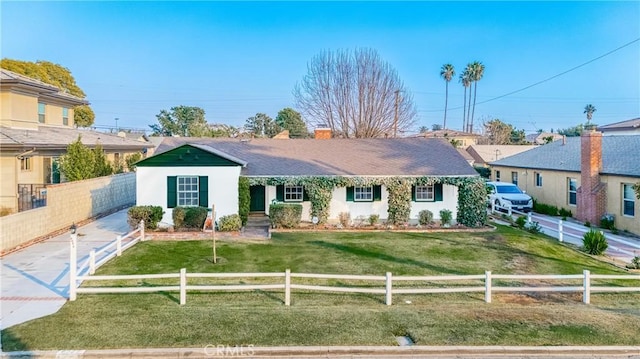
point(8, 182)
point(68, 203)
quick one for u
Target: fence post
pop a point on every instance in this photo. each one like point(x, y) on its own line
point(183, 286)
point(586, 296)
point(119, 246)
point(73, 266)
point(493, 207)
point(509, 210)
point(142, 230)
point(389, 286)
point(92, 261)
point(529, 217)
point(487, 286)
point(287, 287)
point(560, 236)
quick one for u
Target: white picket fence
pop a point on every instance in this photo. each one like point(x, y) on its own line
point(561, 228)
point(120, 244)
point(485, 284)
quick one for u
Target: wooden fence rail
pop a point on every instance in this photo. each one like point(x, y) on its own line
point(485, 283)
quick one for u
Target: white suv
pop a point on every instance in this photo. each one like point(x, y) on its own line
point(506, 195)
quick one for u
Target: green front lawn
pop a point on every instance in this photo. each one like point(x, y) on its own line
point(315, 318)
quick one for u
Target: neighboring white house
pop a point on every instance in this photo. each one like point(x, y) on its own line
point(205, 172)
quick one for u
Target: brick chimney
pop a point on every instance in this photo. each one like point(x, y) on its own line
point(592, 194)
point(322, 133)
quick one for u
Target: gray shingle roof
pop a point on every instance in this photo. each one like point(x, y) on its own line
point(10, 78)
point(339, 157)
point(60, 137)
point(620, 156)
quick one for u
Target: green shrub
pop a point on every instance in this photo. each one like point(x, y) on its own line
point(445, 217)
point(189, 217)
point(533, 227)
point(565, 213)
point(635, 263)
point(151, 215)
point(607, 221)
point(229, 223)
point(587, 224)
point(595, 242)
point(244, 199)
point(484, 172)
point(545, 208)
point(178, 217)
point(285, 215)
point(345, 219)
point(521, 222)
point(373, 219)
point(425, 217)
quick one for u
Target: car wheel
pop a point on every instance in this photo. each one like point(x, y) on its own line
point(499, 206)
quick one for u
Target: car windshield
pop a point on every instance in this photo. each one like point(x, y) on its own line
point(508, 189)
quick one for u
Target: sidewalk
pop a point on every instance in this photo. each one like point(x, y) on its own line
point(35, 280)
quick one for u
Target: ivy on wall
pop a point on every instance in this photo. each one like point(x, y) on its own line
point(471, 194)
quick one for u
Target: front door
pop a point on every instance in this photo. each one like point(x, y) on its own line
point(257, 198)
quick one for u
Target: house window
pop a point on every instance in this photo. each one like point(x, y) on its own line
point(573, 191)
point(293, 193)
point(363, 194)
point(188, 191)
point(497, 176)
point(538, 178)
point(628, 200)
point(425, 193)
point(25, 164)
point(65, 116)
point(41, 112)
point(514, 178)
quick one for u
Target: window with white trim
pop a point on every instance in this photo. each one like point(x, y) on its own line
point(497, 176)
point(25, 164)
point(628, 200)
point(363, 194)
point(425, 193)
point(65, 116)
point(514, 178)
point(41, 112)
point(538, 179)
point(188, 191)
point(573, 191)
point(293, 193)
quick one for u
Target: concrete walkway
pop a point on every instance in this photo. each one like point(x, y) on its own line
point(35, 280)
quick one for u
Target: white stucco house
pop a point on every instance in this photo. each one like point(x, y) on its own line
point(205, 172)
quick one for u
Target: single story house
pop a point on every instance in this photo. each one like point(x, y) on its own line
point(590, 175)
point(483, 154)
point(628, 127)
point(206, 172)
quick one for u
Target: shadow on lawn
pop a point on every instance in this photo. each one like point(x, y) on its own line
point(385, 257)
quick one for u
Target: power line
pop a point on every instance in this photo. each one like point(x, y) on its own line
point(549, 78)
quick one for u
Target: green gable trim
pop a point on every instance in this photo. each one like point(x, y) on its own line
point(187, 156)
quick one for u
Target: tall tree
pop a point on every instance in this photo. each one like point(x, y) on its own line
point(356, 94)
point(499, 133)
point(447, 72)
point(56, 75)
point(589, 110)
point(466, 82)
point(477, 72)
point(571, 131)
point(290, 119)
point(262, 125)
point(185, 121)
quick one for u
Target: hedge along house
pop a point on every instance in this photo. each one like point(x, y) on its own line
point(392, 178)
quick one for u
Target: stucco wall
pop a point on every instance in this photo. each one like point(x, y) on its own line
point(151, 187)
point(21, 110)
point(68, 203)
point(554, 191)
point(339, 204)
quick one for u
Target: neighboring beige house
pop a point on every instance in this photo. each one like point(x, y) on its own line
point(590, 175)
point(629, 127)
point(483, 154)
point(465, 138)
point(36, 125)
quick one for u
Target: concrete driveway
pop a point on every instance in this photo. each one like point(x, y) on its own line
point(35, 280)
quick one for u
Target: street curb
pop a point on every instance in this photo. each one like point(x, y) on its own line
point(248, 351)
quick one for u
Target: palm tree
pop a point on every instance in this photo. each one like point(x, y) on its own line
point(464, 79)
point(447, 72)
point(470, 76)
point(589, 110)
point(477, 71)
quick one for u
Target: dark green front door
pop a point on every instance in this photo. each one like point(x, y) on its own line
point(257, 198)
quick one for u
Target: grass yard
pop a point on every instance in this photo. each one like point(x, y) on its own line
point(315, 318)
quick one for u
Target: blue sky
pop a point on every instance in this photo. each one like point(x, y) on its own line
point(235, 59)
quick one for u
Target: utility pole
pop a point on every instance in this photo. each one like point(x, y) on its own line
point(395, 117)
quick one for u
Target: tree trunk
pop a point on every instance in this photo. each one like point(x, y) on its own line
point(464, 111)
point(475, 91)
point(446, 100)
